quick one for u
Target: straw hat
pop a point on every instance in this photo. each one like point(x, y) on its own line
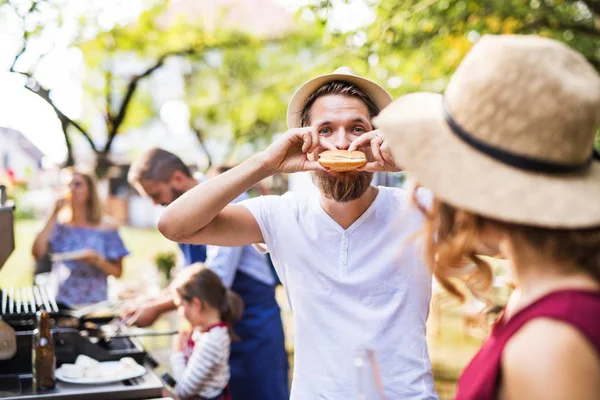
point(378, 94)
point(512, 138)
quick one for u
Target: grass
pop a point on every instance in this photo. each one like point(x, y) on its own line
point(450, 349)
point(143, 244)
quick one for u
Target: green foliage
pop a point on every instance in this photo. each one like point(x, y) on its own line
point(14, 194)
point(165, 262)
point(422, 42)
point(238, 84)
point(416, 45)
point(239, 95)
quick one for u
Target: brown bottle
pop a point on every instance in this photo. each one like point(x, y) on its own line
point(43, 357)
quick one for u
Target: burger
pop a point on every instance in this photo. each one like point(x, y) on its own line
point(342, 160)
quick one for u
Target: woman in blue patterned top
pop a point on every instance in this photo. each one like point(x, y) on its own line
point(77, 225)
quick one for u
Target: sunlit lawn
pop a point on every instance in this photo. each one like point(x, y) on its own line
point(143, 244)
point(450, 350)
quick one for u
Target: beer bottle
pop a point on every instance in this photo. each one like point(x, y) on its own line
point(43, 357)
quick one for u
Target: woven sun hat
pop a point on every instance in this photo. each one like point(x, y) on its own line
point(378, 94)
point(512, 138)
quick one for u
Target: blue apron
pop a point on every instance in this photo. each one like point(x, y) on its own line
point(192, 253)
point(258, 362)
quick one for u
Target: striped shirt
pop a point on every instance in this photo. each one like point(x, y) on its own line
point(206, 373)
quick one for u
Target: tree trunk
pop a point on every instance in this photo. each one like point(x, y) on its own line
point(70, 161)
point(200, 136)
point(103, 164)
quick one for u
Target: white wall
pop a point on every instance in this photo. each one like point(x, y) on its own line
point(142, 212)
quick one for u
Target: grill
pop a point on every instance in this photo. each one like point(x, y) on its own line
point(25, 302)
point(18, 308)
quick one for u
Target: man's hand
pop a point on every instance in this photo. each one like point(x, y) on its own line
point(379, 148)
point(289, 153)
point(138, 315)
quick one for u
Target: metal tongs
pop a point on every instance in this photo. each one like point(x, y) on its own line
point(83, 311)
point(117, 328)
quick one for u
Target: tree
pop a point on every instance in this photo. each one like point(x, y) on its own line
point(417, 44)
point(109, 91)
point(240, 96)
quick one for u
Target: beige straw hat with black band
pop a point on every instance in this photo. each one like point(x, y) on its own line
point(378, 94)
point(512, 138)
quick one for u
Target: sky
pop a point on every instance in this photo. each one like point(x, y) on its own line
point(62, 68)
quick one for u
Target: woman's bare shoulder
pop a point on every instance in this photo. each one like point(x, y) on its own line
point(549, 359)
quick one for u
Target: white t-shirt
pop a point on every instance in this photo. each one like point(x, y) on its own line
point(363, 286)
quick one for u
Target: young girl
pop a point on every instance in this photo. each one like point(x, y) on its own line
point(200, 363)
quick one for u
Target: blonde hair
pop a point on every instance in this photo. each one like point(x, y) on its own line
point(452, 236)
point(93, 206)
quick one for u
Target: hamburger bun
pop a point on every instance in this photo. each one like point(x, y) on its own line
point(342, 160)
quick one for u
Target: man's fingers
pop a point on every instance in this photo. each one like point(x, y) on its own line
point(314, 140)
point(132, 319)
point(387, 156)
point(326, 144)
point(376, 150)
point(307, 142)
point(372, 166)
point(313, 166)
point(360, 142)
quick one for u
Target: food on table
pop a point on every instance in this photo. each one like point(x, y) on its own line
point(88, 363)
point(87, 368)
point(128, 363)
point(72, 371)
point(342, 160)
point(92, 373)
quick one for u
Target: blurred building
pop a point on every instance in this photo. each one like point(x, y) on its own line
point(20, 160)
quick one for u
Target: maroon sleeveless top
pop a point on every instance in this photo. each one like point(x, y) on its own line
point(580, 309)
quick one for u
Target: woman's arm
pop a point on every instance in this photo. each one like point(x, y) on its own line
point(109, 267)
point(549, 360)
point(40, 244)
point(111, 262)
point(114, 268)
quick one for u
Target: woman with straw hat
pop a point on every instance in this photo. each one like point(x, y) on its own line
point(508, 152)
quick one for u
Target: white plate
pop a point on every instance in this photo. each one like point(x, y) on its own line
point(114, 369)
point(67, 255)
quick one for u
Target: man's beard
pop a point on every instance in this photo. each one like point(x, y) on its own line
point(175, 194)
point(343, 187)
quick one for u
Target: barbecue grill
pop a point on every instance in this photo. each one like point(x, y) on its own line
point(26, 302)
point(18, 307)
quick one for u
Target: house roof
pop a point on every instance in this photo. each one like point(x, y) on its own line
point(8, 134)
point(258, 17)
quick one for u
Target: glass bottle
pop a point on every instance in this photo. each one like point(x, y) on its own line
point(369, 385)
point(43, 356)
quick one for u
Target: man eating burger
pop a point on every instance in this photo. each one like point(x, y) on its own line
point(337, 254)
